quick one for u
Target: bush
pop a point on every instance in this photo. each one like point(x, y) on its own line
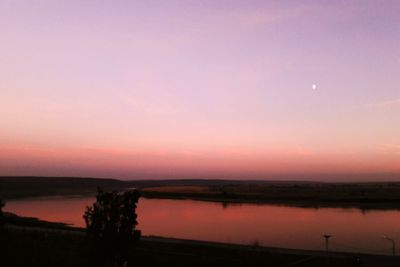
point(2, 220)
point(111, 222)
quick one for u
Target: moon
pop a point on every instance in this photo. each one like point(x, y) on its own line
point(314, 86)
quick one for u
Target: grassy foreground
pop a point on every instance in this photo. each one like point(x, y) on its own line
point(33, 247)
point(32, 242)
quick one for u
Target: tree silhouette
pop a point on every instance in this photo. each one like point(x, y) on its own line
point(111, 223)
point(2, 220)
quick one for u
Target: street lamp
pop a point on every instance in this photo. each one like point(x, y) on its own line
point(393, 244)
point(327, 236)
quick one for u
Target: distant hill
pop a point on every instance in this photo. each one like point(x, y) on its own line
point(34, 186)
point(17, 187)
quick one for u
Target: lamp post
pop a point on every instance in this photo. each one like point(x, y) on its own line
point(327, 236)
point(393, 244)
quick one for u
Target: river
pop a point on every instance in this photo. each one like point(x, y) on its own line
point(268, 225)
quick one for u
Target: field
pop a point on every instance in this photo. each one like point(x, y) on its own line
point(364, 195)
point(184, 189)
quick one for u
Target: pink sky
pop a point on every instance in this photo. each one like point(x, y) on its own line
point(198, 89)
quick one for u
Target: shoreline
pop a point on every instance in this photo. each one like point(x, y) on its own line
point(225, 201)
point(78, 231)
point(289, 203)
point(363, 196)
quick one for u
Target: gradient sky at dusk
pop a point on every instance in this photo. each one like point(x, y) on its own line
point(199, 89)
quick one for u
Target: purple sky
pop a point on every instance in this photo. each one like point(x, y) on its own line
point(199, 88)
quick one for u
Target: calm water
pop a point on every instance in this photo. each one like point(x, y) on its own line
point(269, 225)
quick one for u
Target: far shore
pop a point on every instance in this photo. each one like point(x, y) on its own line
point(368, 195)
point(289, 203)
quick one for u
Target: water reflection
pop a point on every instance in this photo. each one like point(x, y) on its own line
point(271, 225)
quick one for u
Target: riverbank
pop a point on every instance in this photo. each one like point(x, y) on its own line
point(49, 246)
point(360, 195)
point(226, 201)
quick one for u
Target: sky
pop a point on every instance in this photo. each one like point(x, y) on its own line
point(199, 89)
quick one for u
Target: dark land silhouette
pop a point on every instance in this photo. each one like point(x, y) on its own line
point(365, 195)
point(52, 244)
point(2, 204)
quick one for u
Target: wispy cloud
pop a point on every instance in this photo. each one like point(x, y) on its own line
point(382, 104)
point(262, 18)
point(388, 103)
point(391, 148)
